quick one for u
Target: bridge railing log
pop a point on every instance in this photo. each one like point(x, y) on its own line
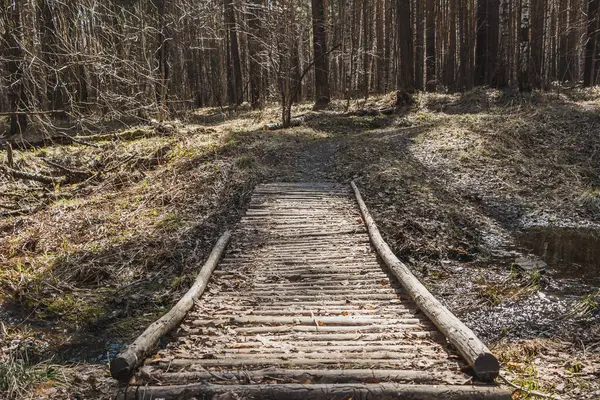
point(125, 364)
point(484, 363)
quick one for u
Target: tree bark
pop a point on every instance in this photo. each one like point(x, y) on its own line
point(419, 45)
point(237, 90)
point(255, 48)
point(591, 49)
point(430, 53)
point(524, 81)
point(451, 57)
point(501, 78)
point(564, 52)
point(538, 10)
point(320, 53)
point(380, 60)
point(406, 81)
point(317, 391)
point(161, 55)
point(16, 92)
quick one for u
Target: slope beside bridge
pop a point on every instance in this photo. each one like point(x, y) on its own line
point(301, 306)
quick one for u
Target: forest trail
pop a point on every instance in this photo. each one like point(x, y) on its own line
point(300, 306)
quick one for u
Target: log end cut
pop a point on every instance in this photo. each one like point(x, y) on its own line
point(122, 367)
point(486, 367)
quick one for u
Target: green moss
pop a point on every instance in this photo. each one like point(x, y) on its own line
point(245, 162)
point(170, 222)
point(136, 133)
point(74, 310)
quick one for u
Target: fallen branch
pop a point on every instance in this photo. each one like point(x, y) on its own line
point(9, 155)
point(484, 363)
point(279, 125)
point(78, 140)
point(370, 112)
point(126, 362)
point(294, 391)
point(22, 211)
point(528, 391)
point(30, 176)
point(10, 113)
point(71, 172)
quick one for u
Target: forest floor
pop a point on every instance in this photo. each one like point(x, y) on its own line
point(462, 186)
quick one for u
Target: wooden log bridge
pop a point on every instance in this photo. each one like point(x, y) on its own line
point(308, 301)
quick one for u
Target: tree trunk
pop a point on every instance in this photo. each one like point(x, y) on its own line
point(320, 54)
point(563, 41)
point(430, 45)
point(538, 11)
point(16, 93)
point(591, 49)
point(501, 78)
point(451, 58)
point(236, 68)
point(50, 53)
point(482, 45)
point(464, 50)
point(162, 55)
point(419, 45)
point(254, 44)
point(366, 48)
point(405, 46)
point(524, 82)
point(380, 61)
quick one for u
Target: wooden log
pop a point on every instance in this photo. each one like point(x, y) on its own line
point(357, 391)
point(356, 328)
point(346, 345)
point(271, 350)
point(402, 312)
point(279, 125)
point(32, 176)
point(484, 363)
point(10, 113)
point(126, 362)
point(297, 320)
point(434, 335)
point(312, 375)
point(402, 360)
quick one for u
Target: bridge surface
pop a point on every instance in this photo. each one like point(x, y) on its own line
point(301, 307)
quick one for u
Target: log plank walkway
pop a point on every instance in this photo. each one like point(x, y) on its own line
point(301, 307)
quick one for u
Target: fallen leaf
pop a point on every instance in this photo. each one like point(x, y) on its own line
point(344, 313)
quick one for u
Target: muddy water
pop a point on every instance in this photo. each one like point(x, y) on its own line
point(572, 272)
point(572, 254)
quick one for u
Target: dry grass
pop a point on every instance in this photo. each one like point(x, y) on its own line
point(551, 367)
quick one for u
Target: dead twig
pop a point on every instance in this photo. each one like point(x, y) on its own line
point(32, 176)
point(528, 391)
point(22, 211)
point(63, 168)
